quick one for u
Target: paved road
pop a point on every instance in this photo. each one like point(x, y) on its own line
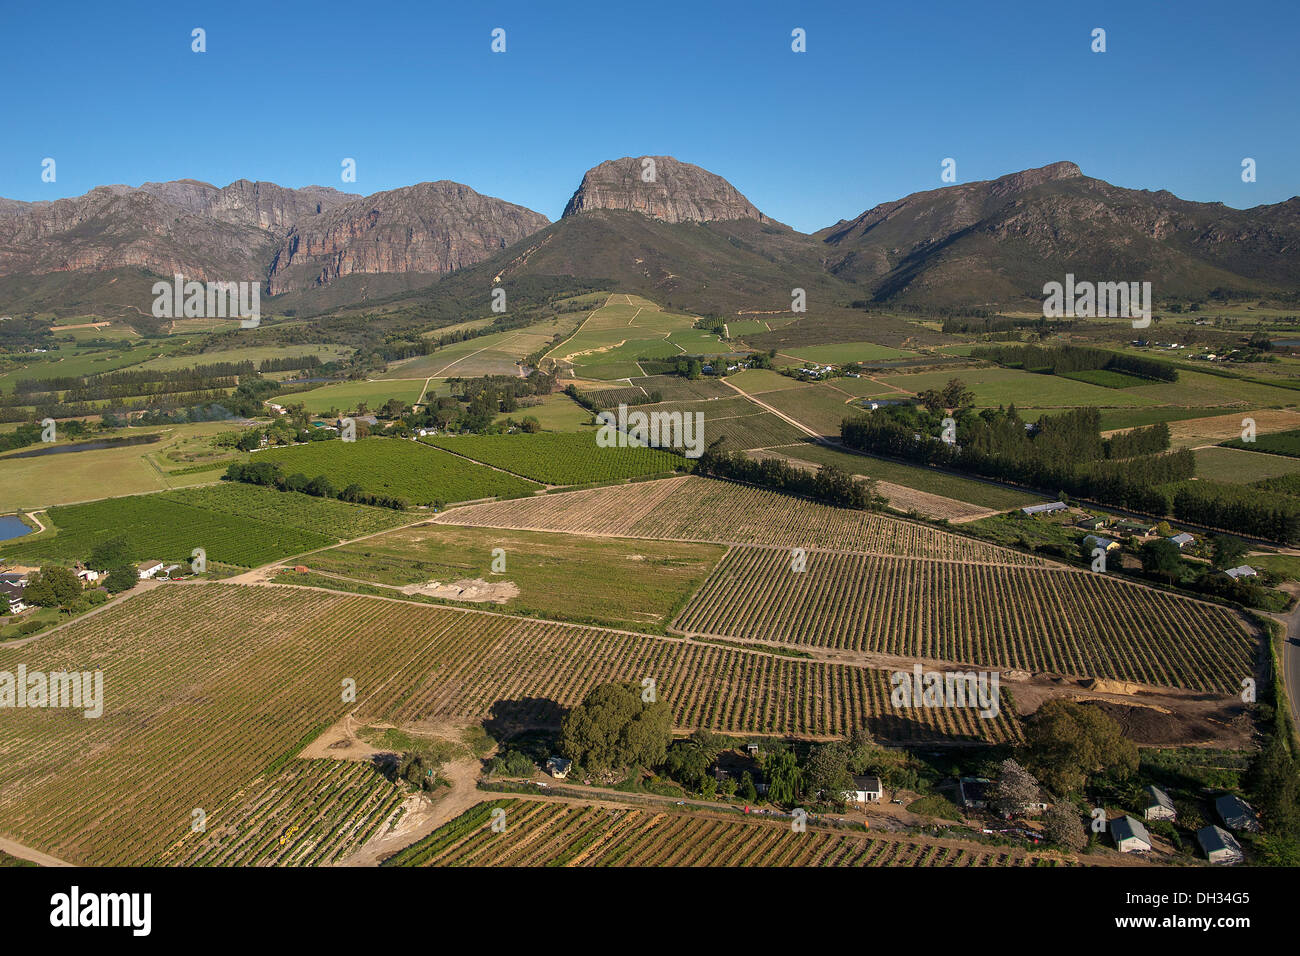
point(1291, 652)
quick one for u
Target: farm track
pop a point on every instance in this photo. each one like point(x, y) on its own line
point(566, 833)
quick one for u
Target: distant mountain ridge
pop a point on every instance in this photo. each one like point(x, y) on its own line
point(670, 230)
point(997, 241)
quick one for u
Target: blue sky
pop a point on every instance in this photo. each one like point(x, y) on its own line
point(884, 93)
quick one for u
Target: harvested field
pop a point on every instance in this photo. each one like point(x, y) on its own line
point(705, 509)
point(1036, 619)
point(1216, 428)
point(548, 833)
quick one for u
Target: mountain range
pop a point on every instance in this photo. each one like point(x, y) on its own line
point(670, 230)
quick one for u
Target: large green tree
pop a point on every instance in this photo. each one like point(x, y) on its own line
point(1069, 742)
point(52, 586)
point(614, 728)
point(1162, 557)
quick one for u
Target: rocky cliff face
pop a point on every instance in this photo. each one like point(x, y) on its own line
point(679, 192)
point(259, 205)
point(432, 228)
point(114, 227)
point(255, 231)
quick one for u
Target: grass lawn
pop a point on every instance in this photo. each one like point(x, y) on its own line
point(617, 582)
point(1287, 565)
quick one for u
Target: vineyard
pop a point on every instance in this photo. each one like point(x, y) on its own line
point(520, 667)
point(1036, 619)
point(559, 458)
point(403, 469)
point(545, 833)
point(312, 813)
point(235, 524)
point(207, 686)
point(161, 527)
point(705, 509)
point(735, 420)
point(329, 516)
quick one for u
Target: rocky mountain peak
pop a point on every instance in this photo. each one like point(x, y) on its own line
point(661, 188)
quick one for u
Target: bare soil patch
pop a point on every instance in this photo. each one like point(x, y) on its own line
point(474, 590)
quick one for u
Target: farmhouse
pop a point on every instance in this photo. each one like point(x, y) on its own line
point(1135, 528)
point(1044, 509)
point(974, 792)
point(17, 574)
point(1159, 806)
point(1130, 835)
point(1091, 522)
point(1236, 813)
point(13, 595)
point(1092, 542)
point(1219, 846)
point(1241, 571)
point(558, 767)
point(1183, 540)
point(865, 790)
point(148, 569)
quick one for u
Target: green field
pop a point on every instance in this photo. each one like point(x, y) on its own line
point(100, 473)
point(624, 329)
point(736, 421)
point(559, 459)
point(158, 527)
point(1115, 418)
point(818, 407)
point(493, 354)
point(328, 516)
point(914, 476)
point(1106, 378)
point(389, 466)
point(347, 396)
point(1279, 443)
point(846, 352)
point(1004, 386)
point(618, 582)
point(254, 354)
point(555, 413)
point(1242, 467)
point(757, 381)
